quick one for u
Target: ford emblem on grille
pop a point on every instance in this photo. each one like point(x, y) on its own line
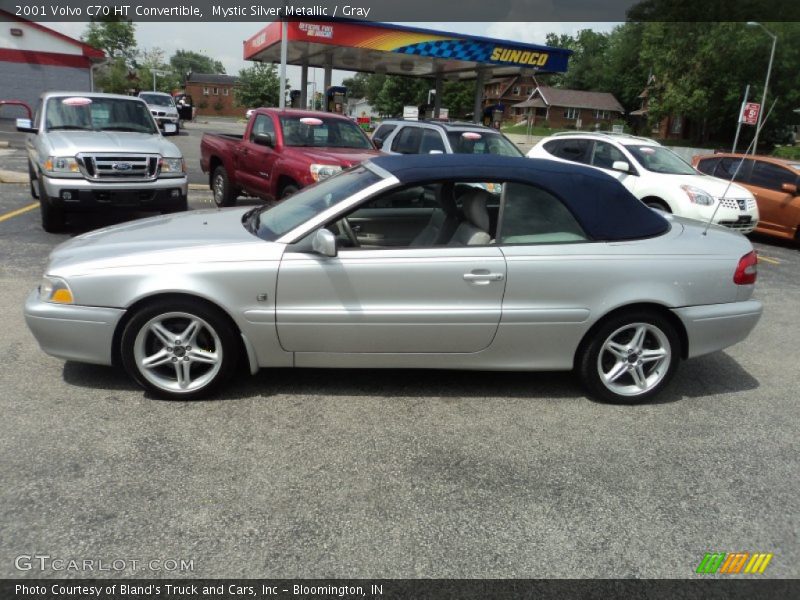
point(121, 166)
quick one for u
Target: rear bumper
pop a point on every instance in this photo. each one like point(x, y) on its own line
point(79, 333)
point(714, 327)
point(160, 194)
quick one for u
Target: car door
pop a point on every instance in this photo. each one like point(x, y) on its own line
point(255, 160)
point(779, 210)
point(604, 155)
point(432, 300)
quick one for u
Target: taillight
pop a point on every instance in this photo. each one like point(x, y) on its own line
point(746, 270)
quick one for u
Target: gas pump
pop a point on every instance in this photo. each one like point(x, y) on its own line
point(336, 99)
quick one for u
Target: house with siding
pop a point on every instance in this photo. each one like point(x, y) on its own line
point(570, 109)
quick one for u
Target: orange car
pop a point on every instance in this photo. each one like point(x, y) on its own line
point(773, 181)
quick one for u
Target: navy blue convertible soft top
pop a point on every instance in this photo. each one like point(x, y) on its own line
point(602, 205)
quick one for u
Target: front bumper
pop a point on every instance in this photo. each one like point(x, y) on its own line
point(79, 333)
point(714, 327)
point(159, 194)
point(166, 119)
point(743, 221)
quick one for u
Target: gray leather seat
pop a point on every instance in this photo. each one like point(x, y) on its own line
point(474, 230)
point(443, 221)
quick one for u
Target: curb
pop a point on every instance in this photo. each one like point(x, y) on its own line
point(13, 177)
point(4, 144)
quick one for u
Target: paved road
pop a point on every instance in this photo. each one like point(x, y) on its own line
point(398, 474)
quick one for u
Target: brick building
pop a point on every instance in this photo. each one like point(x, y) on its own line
point(570, 109)
point(213, 94)
point(35, 59)
point(502, 93)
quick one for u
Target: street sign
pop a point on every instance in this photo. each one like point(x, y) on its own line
point(750, 112)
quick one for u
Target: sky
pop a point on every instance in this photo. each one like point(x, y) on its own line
point(223, 42)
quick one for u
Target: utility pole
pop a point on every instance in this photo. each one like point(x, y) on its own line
point(741, 116)
point(766, 82)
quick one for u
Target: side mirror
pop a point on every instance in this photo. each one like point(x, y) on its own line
point(324, 243)
point(621, 165)
point(26, 126)
point(789, 188)
point(170, 129)
point(263, 139)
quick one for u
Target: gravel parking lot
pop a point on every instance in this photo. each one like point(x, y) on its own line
point(325, 473)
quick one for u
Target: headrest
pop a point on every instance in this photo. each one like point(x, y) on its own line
point(473, 205)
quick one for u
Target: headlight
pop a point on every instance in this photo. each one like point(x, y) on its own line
point(61, 164)
point(698, 196)
point(173, 166)
point(319, 172)
point(54, 289)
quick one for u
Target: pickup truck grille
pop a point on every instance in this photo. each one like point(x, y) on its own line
point(116, 167)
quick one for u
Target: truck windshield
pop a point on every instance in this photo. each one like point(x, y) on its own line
point(271, 223)
point(323, 132)
point(483, 142)
point(157, 99)
point(96, 113)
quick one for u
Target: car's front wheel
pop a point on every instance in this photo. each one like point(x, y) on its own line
point(179, 349)
point(630, 357)
point(53, 218)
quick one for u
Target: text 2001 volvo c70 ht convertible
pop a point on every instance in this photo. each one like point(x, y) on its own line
point(406, 262)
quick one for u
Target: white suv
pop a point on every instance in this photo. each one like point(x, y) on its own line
point(655, 175)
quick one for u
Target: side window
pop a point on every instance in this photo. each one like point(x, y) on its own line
point(707, 165)
point(553, 147)
point(605, 155)
point(575, 151)
point(530, 215)
point(431, 141)
point(728, 166)
point(262, 124)
point(382, 132)
point(771, 177)
point(407, 141)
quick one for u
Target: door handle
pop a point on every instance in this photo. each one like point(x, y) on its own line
point(483, 277)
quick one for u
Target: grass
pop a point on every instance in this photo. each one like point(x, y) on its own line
point(790, 152)
point(522, 129)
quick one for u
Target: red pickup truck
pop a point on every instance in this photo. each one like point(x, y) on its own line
point(281, 151)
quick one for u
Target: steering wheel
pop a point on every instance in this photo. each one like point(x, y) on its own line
point(347, 230)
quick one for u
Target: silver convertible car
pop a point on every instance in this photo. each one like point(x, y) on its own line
point(435, 261)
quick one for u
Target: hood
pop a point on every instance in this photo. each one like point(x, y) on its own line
point(173, 238)
point(345, 157)
point(69, 143)
point(173, 110)
point(711, 185)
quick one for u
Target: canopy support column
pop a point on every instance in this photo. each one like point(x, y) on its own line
point(327, 84)
point(437, 100)
point(477, 114)
point(304, 85)
point(284, 53)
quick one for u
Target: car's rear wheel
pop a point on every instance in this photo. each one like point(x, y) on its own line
point(221, 188)
point(179, 349)
point(630, 357)
point(53, 219)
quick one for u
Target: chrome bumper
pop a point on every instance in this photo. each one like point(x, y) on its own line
point(53, 186)
point(714, 327)
point(79, 333)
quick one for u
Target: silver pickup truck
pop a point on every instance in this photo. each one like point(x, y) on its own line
point(93, 151)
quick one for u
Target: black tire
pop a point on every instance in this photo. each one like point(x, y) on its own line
point(32, 178)
point(656, 374)
point(53, 219)
point(288, 190)
point(215, 337)
point(221, 189)
point(658, 204)
point(177, 128)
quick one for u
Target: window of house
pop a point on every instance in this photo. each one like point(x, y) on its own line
point(515, 91)
point(216, 91)
point(225, 91)
point(676, 126)
point(530, 215)
point(602, 114)
point(205, 91)
point(571, 113)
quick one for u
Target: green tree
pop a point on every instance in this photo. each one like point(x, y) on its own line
point(116, 38)
point(186, 61)
point(458, 97)
point(587, 68)
point(398, 92)
point(259, 85)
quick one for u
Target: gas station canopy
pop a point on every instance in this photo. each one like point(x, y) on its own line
point(398, 50)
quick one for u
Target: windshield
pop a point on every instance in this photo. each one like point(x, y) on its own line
point(660, 160)
point(157, 99)
point(271, 223)
point(93, 113)
point(323, 132)
point(483, 142)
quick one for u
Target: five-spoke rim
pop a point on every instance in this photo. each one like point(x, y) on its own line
point(178, 352)
point(634, 359)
